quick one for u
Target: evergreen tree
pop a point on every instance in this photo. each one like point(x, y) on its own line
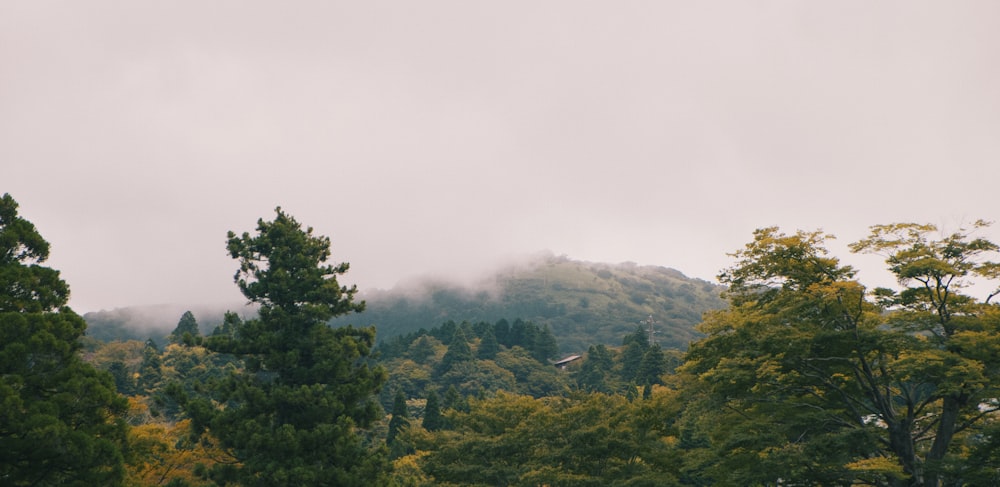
point(635, 346)
point(454, 400)
point(521, 334)
point(123, 379)
point(488, 346)
point(545, 346)
point(458, 351)
point(502, 331)
point(400, 417)
point(186, 331)
point(433, 420)
point(421, 349)
point(60, 419)
point(595, 369)
point(293, 416)
point(151, 369)
point(230, 322)
point(652, 367)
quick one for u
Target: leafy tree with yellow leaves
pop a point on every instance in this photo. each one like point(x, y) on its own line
point(810, 377)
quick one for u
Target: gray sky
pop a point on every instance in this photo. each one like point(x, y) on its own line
point(441, 137)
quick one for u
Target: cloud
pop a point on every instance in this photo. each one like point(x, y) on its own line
point(442, 136)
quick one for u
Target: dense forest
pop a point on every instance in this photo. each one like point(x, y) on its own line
point(802, 376)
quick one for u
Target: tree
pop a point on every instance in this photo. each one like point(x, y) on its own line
point(186, 331)
point(151, 369)
point(400, 416)
point(810, 378)
point(502, 331)
point(292, 417)
point(60, 419)
point(545, 346)
point(593, 375)
point(230, 322)
point(432, 413)
point(488, 345)
point(652, 367)
point(458, 352)
point(635, 346)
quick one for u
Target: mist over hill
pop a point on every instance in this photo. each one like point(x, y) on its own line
point(583, 303)
point(155, 321)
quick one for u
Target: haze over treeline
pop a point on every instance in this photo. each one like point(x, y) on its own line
point(583, 303)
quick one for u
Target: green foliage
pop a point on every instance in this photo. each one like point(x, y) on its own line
point(582, 303)
point(595, 374)
point(187, 330)
point(517, 440)
point(419, 364)
point(432, 413)
point(294, 415)
point(458, 352)
point(26, 286)
point(400, 417)
point(808, 379)
point(60, 419)
point(488, 345)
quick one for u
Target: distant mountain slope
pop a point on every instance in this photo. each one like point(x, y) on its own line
point(583, 303)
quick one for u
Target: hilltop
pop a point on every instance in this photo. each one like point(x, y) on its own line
point(583, 303)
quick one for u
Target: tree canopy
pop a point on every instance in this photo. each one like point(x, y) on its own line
point(810, 377)
point(60, 419)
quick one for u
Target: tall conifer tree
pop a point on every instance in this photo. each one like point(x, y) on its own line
point(60, 419)
point(294, 416)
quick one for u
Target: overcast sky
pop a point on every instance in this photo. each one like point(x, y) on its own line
point(443, 136)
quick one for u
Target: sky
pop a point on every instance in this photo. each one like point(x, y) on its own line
point(443, 137)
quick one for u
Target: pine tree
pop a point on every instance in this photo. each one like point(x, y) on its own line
point(545, 345)
point(432, 413)
point(293, 416)
point(488, 346)
point(458, 351)
point(60, 419)
point(400, 417)
point(186, 331)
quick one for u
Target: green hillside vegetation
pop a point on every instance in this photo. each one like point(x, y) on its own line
point(583, 303)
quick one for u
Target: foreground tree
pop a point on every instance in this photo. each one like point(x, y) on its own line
point(60, 419)
point(295, 416)
point(808, 378)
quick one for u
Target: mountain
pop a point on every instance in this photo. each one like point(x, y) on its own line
point(583, 303)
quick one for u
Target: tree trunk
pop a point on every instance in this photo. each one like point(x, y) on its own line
point(945, 432)
point(901, 442)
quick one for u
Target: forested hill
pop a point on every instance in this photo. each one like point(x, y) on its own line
point(583, 303)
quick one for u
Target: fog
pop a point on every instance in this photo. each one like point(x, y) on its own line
point(448, 137)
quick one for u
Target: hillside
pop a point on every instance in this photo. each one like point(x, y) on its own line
point(583, 303)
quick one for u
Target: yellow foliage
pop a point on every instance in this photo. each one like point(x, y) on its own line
point(406, 470)
point(162, 452)
point(877, 466)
